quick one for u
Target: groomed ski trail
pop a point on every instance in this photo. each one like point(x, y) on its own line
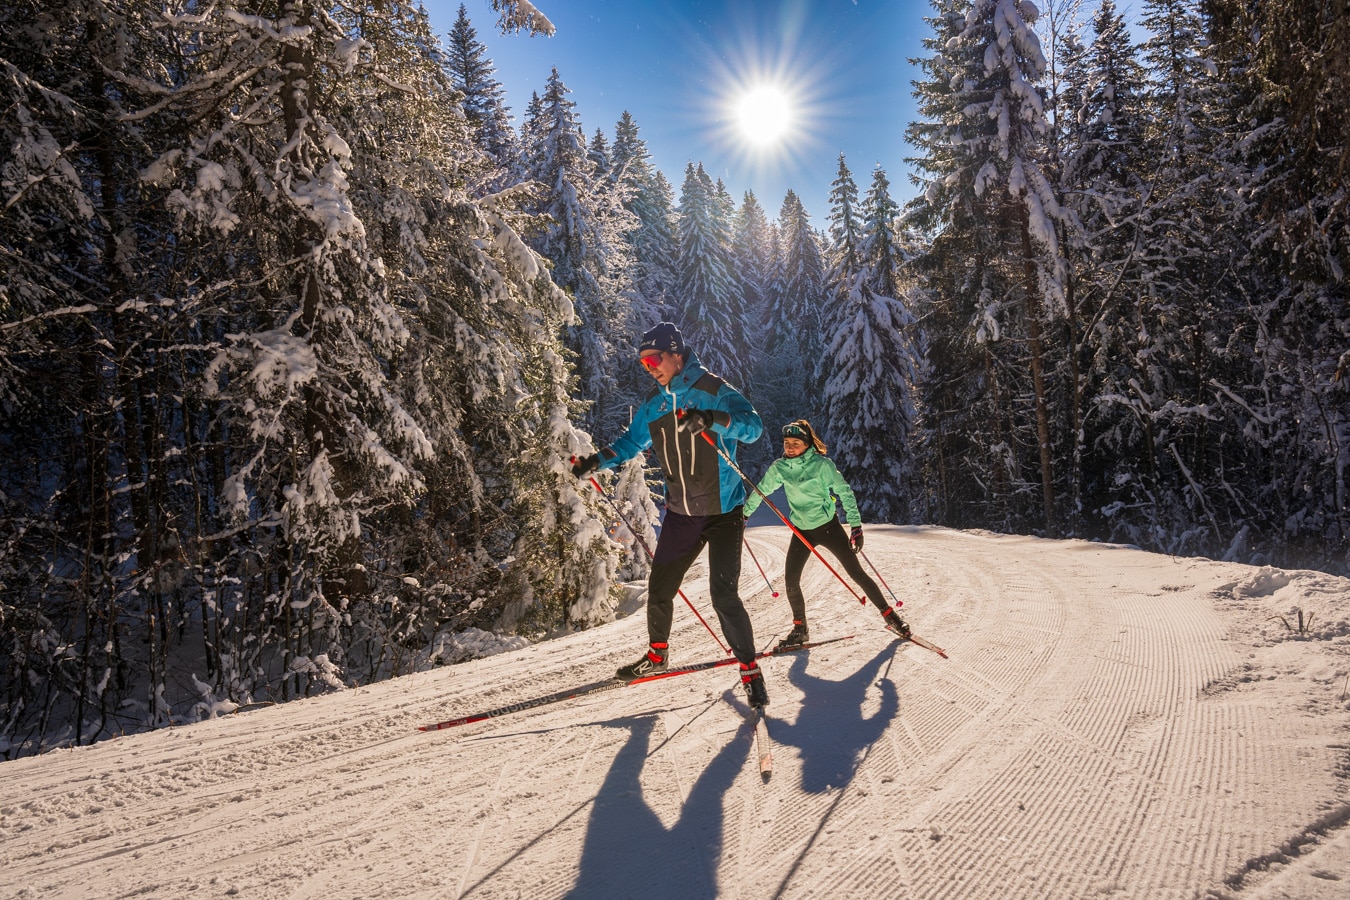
point(1106, 725)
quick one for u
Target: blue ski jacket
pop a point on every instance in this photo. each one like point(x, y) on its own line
point(698, 481)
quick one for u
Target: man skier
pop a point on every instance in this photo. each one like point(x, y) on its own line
point(704, 496)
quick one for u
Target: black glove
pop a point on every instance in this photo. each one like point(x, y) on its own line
point(695, 421)
point(855, 538)
point(586, 465)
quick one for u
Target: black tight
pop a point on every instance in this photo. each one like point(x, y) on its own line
point(832, 537)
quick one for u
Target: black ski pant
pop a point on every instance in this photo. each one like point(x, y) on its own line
point(832, 537)
point(682, 539)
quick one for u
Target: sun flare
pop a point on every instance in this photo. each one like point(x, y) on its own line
point(764, 114)
point(767, 109)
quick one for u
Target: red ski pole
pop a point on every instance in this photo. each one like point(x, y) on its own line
point(758, 566)
point(898, 602)
point(638, 536)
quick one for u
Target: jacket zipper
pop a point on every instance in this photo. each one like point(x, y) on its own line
point(675, 420)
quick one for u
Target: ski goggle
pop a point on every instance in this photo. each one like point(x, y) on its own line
point(651, 362)
point(793, 430)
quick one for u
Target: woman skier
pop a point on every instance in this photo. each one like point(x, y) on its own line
point(812, 485)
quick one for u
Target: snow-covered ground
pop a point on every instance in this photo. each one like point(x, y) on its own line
point(1111, 723)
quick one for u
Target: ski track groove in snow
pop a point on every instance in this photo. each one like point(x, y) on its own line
point(1107, 725)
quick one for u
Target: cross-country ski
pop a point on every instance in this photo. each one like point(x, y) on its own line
point(763, 746)
point(613, 683)
point(908, 636)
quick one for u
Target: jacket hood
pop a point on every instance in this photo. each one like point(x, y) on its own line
point(693, 370)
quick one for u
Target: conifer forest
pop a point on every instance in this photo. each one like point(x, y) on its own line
point(302, 319)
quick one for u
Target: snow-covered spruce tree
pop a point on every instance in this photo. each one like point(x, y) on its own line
point(1285, 65)
point(600, 157)
point(725, 209)
point(214, 546)
point(632, 493)
point(997, 211)
point(359, 331)
point(882, 250)
point(497, 400)
point(527, 142)
point(91, 386)
point(775, 286)
point(709, 310)
point(868, 375)
point(845, 227)
point(792, 338)
point(651, 199)
point(566, 564)
point(751, 252)
point(651, 250)
point(959, 423)
point(843, 266)
point(584, 238)
point(782, 376)
point(870, 363)
point(1164, 424)
point(478, 310)
point(482, 97)
point(314, 433)
point(795, 312)
point(752, 249)
point(1100, 132)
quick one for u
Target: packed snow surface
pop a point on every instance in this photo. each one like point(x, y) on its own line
point(1110, 723)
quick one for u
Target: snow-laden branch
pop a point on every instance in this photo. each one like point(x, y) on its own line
point(50, 314)
point(521, 15)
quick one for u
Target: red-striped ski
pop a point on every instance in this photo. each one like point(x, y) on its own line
point(610, 684)
point(922, 642)
point(763, 746)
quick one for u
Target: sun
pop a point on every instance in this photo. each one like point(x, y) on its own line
point(764, 114)
point(765, 106)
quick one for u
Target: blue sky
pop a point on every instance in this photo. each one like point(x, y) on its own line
point(680, 68)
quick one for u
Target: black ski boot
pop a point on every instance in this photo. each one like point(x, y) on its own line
point(755, 692)
point(795, 638)
point(895, 624)
point(653, 662)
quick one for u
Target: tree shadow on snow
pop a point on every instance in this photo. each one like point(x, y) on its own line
point(629, 852)
point(830, 732)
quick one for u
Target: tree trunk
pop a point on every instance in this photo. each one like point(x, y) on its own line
point(1033, 308)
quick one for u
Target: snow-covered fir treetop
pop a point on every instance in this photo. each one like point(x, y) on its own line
point(521, 15)
point(1017, 50)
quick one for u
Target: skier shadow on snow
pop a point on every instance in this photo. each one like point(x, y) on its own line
point(629, 852)
point(830, 732)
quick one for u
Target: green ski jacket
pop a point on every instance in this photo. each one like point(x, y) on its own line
point(811, 483)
